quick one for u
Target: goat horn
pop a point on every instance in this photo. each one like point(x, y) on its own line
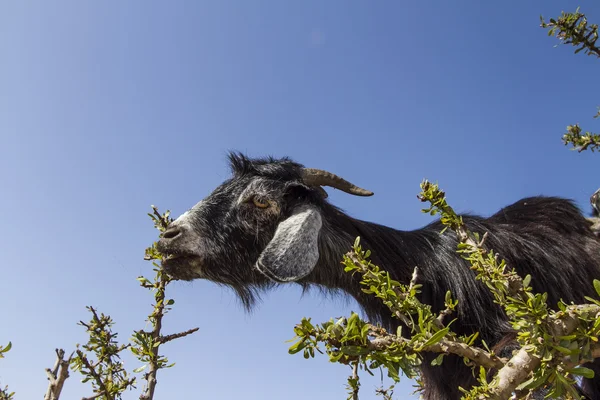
point(318, 177)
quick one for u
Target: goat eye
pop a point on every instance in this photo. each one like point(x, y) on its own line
point(260, 204)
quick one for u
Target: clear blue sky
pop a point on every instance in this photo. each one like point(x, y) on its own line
point(107, 107)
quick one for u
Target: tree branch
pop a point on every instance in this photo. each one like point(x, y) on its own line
point(444, 346)
point(57, 375)
point(168, 338)
point(156, 317)
point(94, 374)
point(96, 396)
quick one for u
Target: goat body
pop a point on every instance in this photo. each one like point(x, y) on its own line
point(267, 225)
point(545, 237)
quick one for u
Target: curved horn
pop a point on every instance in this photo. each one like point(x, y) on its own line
point(318, 177)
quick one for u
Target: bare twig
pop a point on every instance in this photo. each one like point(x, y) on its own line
point(96, 396)
point(168, 338)
point(57, 375)
point(355, 377)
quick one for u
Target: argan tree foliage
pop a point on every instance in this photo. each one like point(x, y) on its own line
point(99, 360)
point(573, 29)
point(5, 394)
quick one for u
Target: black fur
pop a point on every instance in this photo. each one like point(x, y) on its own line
point(546, 237)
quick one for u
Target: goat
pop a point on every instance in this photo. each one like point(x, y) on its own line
point(271, 223)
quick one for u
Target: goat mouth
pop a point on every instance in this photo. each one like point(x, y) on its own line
point(182, 266)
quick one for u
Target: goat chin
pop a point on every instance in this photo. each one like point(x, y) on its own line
point(183, 267)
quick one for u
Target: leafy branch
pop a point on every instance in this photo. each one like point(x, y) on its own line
point(573, 29)
point(581, 142)
point(107, 374)
point(554, 344)
point(146, 344)
point(355, 342)
point(4, 393)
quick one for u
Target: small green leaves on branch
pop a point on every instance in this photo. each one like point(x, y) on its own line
point(161, 221)
point(361, 345)
point(581, 142)
point(108, 376)
point(5, 349)
point(4, 393)
point(493, 272)
point(553, 344)
point(573, 29)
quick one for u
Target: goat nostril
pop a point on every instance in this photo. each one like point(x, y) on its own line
point(171, 233)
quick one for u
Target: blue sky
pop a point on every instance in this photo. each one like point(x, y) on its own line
point(109, 107)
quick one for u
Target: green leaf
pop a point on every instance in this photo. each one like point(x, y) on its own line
point(563, 350)
point(436, 337)
point(364, 331)
point(482, 374)
point(582, 371)
point(297, 347)
point(354, 350)
point(597, 286)
point(438, 360)
point(533, 382)
point(140, 369)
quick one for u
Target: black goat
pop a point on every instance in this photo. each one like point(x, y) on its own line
point(271, 223)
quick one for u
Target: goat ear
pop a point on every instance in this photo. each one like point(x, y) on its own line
point(293, 252)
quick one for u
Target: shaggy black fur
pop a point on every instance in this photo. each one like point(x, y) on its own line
point(546, 237)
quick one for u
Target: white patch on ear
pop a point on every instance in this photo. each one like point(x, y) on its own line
point(293, 252)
